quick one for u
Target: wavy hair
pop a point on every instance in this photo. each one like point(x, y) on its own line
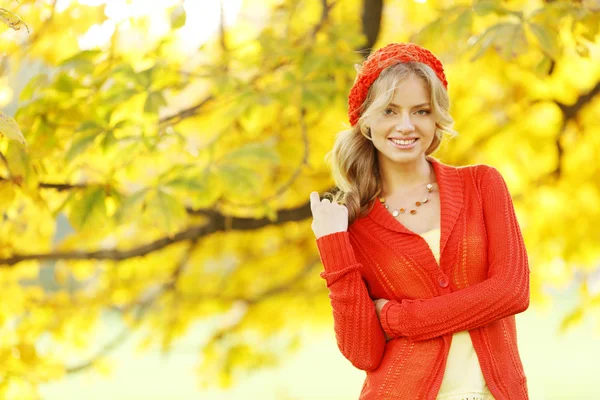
point(353, 158)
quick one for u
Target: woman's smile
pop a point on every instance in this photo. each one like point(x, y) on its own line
point(404, 144)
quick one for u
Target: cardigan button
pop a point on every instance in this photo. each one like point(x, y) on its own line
point(443, 281)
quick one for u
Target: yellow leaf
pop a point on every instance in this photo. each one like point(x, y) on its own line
point(574, 318)
point(103, 366)
point(9, 127)
point(7, 194)
point(12, 20)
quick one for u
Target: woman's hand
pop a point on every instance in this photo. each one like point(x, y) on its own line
point(327, 217)
point(379, 303)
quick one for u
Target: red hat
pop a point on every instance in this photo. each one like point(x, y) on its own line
point(393, 53)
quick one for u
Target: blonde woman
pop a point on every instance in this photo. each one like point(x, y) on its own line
point(424, 261)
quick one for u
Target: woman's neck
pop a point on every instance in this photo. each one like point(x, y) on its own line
point(404, 178)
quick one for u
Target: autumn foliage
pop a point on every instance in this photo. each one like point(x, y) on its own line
point(170, 188)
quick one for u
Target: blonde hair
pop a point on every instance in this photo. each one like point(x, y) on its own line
point(353, 159)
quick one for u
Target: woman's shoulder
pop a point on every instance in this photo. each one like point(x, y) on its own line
point(486, 176)
point(479, 171)
point(480, 176)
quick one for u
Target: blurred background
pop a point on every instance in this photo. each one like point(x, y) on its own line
point(155, 241)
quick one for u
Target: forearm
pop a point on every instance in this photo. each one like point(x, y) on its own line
point(466, 309)
point(358, 332)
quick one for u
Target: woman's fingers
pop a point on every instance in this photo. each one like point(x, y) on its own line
point(315, 199)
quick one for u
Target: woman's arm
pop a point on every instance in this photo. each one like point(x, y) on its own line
point(505, 292)
point(358, 331)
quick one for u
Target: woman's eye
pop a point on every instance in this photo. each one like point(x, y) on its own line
point(388, 111)
point(423, 112)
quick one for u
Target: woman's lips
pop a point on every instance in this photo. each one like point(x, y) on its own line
point(404, 146)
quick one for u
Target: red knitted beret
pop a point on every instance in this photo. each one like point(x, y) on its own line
point(387, 56)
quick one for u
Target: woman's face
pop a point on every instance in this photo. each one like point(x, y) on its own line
point(408, 117)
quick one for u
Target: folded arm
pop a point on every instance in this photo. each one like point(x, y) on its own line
point(505, 292)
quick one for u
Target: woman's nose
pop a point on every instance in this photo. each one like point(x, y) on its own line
point(404, 125)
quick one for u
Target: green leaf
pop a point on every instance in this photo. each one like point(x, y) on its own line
point(33, 86)
point(547, 40)
point(239, 180)
point(119, 95)
point(90, 126)
point(123, 124)
point(144, 78)
point(507, 38)
point(123, 73)
point(84, 61)
point(166, 211)
point(154, 102)
point(178, 17)
point(108, 141)
point(543, 67)
point(201, 189)
point(65, 84)
point(484, 41)
point(461, 28)
point(252, 153)
point(130, 206)
point(19, 160)
point(429, 33)
point(514, 42)
point(89, 211)
point(485, 7)
point(79, 145)
point(186, 183)
point(10, 129)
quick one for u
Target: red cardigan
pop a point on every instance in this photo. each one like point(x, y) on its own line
point(481, 282)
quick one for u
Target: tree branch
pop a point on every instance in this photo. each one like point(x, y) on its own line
point(5, 162)
point(326, 8)
point(217, 223)
point(569, 114)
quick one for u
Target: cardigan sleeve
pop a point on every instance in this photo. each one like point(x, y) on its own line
point(358, 332)
point(505, 292)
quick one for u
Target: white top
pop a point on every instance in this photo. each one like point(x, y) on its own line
point(463, 379)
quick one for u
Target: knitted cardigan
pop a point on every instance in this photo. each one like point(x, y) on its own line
point(481, 282)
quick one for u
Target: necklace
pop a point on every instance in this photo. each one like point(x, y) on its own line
point(402, 210)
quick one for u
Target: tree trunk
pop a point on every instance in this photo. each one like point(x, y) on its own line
point(371, 20)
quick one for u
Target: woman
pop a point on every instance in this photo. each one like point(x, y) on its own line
point(425, 282)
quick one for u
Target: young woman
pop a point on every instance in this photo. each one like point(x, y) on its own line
point(425, 262)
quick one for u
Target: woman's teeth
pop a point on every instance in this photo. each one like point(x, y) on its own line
point(403, 142)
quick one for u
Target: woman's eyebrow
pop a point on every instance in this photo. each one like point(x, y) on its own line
point(417, 106)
